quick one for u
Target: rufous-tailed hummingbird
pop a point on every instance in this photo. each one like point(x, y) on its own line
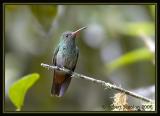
point(65, 56)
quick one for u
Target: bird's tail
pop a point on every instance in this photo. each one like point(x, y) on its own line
point(60, 84)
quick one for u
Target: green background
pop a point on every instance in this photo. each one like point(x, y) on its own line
point(118, 47)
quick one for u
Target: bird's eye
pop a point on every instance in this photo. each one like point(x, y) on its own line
point(67, 35)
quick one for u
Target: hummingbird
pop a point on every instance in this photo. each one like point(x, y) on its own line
point(65, 56)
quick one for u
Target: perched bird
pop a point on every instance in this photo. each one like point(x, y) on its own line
point(65, 56)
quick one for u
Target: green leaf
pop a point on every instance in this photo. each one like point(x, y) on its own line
point(44, 14)
point(19, 89)
point(129, 58)
point(135, 29)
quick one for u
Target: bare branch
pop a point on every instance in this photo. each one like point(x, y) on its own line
point(100, 82)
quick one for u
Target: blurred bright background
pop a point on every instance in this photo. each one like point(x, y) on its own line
point(118, 47)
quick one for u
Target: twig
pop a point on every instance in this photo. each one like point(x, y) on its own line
point(100, 82)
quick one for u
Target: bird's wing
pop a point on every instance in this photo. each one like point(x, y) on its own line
point(77, 51)
point(54, 55)
point(55, 82)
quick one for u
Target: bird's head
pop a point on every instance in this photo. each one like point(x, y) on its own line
point(71, 35)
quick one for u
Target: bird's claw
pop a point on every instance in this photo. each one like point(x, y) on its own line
point(63, 68)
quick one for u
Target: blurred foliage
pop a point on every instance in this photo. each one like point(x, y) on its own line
point(130, 57)
point(11, 7)
point(135, 29)
point(152, 10)
point(44, 14)
point(19, 89)
point(116, 38)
